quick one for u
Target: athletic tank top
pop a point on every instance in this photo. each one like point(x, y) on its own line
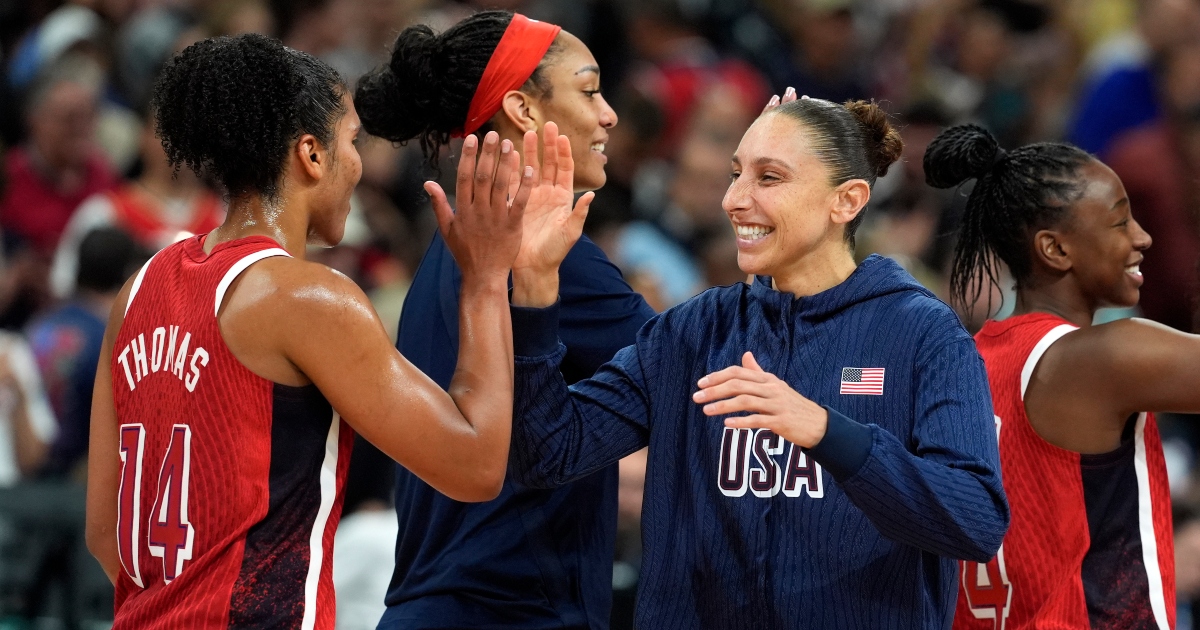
point(231, 485)
point(1090, 541)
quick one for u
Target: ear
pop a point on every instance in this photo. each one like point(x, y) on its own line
point(311, 156)
point(848, 200)
point(520, 111)
point(1051, 250)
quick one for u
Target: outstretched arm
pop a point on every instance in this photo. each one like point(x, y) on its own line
point(944, 496)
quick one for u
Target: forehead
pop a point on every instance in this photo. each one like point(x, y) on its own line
point(572, 57)
point(777, 137)
point(1102, 187)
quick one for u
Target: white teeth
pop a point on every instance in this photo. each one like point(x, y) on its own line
point(752, 232)
point(1134, 269)
point(598, 146)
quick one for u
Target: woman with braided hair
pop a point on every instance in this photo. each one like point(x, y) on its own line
point(1090, 543)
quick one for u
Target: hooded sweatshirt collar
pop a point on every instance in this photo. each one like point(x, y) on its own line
point(874, 277)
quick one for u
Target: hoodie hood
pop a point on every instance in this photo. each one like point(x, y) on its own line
point(875, 277)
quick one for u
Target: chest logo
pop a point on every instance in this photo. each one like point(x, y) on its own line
point(862, 381)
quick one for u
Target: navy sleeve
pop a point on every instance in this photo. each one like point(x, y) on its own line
point(561, 434)
point(944, 495)
point(599, 312)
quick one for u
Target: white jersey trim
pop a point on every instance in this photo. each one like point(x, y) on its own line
point(316, 539)
point(137, 284)
point(1040, 349)
point(237, 269)
point(1158, 602)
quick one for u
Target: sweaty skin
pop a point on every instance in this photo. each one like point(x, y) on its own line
point(296, 322)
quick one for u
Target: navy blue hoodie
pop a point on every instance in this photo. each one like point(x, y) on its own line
point(741, 529)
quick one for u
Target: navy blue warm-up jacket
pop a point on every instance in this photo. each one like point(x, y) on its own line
point(743, 530)
point(531, 558)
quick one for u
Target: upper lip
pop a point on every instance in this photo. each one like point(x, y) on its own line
point(603, 140)
point(1136, 262)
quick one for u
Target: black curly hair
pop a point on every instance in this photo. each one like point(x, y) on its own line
point(230, 107)
point(424, 92)
point(854, 140)
point(1016, 194)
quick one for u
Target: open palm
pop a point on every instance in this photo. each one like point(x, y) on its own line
point(551, 226)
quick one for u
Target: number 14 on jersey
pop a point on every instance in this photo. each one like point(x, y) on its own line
point(168, 534)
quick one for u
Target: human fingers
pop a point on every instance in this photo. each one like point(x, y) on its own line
point(733, 371)
point(789, 95)
point(441, 207)
point(753, 421)
point(749, 362)
point(530, 146)
point(517, 209)
point(565, 178)
point(464, 191)
point(549, 152)
point(579, 214)
point(737, 404)
point(509, 163)
point(771, 104)
point(485, 168)
point(731, 388)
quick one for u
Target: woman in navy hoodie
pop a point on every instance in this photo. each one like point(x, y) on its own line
point(822, 445)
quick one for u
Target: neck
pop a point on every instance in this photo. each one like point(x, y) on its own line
point(253, 215)
point(1057, 297)
point(818, 271)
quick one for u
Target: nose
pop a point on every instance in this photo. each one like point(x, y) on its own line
point(1141, 238)
point(736, 197)
point(608, 117)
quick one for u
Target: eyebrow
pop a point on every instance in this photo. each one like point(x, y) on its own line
point(1123, 201)
point(764, 161)
point(584, 69)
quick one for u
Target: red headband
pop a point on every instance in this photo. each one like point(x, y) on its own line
point(518, 54)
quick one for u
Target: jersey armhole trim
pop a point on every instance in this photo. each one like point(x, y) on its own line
point(1040, 349)
point(237, 269)
point(137, 284)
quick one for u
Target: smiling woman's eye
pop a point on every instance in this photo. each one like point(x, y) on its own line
point(733, 176)
point(593, 93)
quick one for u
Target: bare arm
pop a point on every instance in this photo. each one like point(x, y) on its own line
point(104, 460)
point(1095, 378)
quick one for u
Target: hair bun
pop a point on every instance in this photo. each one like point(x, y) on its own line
point(399, 101)
point(882, 142)
point(958, 154)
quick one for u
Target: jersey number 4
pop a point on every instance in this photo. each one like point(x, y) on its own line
point(988, 591)
point(169, 535)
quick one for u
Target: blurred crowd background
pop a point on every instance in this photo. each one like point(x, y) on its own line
point(86, 196)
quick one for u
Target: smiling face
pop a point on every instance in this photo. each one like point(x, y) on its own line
point(781, 202)
point(576, 105)
point(331, 203)
point(1104, 241)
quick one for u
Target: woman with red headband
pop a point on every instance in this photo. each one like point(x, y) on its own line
point(531, 558)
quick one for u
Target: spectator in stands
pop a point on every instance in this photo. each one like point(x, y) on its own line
point(67, 340)
point(156, 209)
point(27, 425)
point(59, 166)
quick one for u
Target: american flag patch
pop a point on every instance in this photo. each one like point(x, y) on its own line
point(865, 381)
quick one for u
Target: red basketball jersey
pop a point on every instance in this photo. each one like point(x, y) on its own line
point(1090, 541)
point(231, 485)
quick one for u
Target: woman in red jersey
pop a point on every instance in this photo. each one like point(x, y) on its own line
point(233, 370)
point(1090, 541)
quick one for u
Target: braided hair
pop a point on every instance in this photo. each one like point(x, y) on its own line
point(853, 140)
point(426, 88)
point(209, 120)
point(1016, 194)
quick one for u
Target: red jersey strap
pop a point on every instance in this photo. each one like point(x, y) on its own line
point(1039, 349)
point(240, 266)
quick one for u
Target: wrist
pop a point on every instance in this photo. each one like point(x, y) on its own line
point(534, 288)
point(485, 283)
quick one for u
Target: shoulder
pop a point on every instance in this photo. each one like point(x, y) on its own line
point(695, 315)
point(285, 284)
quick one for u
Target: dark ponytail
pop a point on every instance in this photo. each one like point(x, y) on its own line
point(1016, 194)
point(426, 88)
point(855, 141)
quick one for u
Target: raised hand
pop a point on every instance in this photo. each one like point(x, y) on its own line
point(773, 403)
point(551, 225)
point(485, 233)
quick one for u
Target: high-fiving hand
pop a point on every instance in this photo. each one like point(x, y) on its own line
point(775, 405)
point(485, 233)
point(551, 226)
